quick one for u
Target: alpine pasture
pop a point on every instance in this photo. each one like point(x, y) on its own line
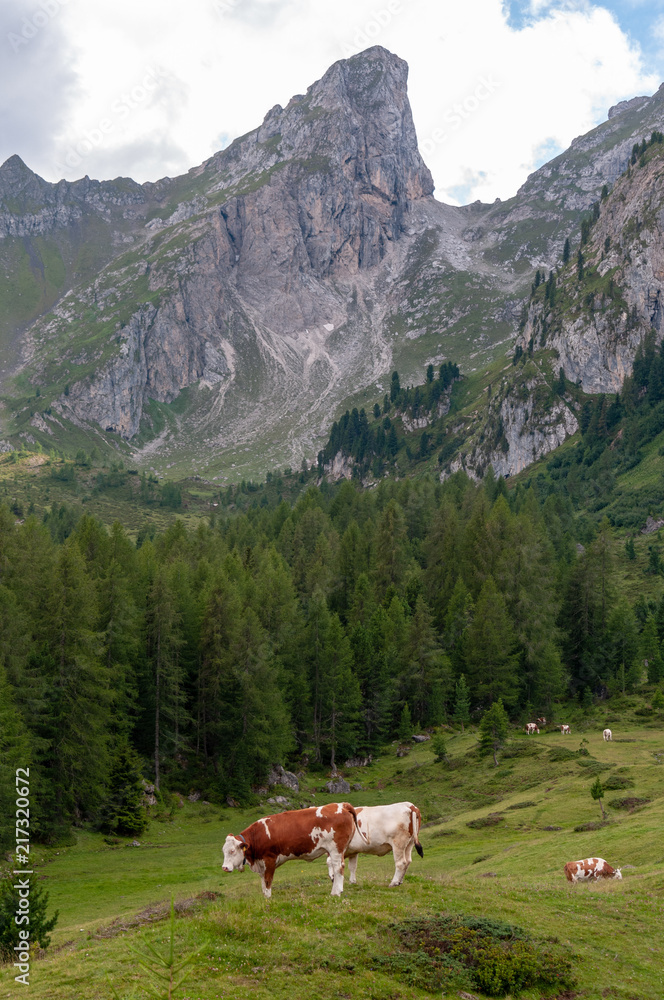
point(304, 944)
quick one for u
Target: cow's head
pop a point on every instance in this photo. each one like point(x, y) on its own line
point(617, 873)
point(234, 853)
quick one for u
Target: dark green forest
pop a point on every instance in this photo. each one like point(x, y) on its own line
point(299, 634)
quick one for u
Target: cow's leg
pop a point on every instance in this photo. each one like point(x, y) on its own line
point(352, 868)
point(266, 878)
point(337, 862)
point(401, 862)
point(330, 870)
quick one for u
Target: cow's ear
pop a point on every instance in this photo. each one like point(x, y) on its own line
point(244, 848)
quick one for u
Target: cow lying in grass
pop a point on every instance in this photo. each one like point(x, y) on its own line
point(590, 868)
point(382, 829)
point(301, 834)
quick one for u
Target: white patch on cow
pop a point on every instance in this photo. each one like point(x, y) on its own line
point(264, 822)
point(319, 811)
point(340, 807)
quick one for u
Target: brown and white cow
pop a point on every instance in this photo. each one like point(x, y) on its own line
point(385, 828)
point(590, 868)
point(565, 730)
point(531, 727)
point(607, 734)
point(542, 721)
point(302, 834)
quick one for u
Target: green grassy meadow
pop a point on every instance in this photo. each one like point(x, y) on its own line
point(304, 945)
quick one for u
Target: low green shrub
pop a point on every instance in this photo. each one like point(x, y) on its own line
point(615, 782)
point(628, 803)
point(522, 805)
point(583, 827)
point(492, 956)
point(491, 820)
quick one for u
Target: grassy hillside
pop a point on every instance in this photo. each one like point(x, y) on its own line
point(304, 944)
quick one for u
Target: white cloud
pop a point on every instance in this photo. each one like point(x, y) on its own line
point(498, 95)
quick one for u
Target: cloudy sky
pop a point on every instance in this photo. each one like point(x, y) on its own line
point(148, 88)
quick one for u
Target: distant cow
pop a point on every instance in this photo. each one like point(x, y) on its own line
point(531, 727)
point(303, 834)
point(385, 828)
point(565, 730)
point(542, 721)
point(590, 868)
point(607, 734)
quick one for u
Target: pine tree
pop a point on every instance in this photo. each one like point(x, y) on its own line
point(566, 251)
point(15, 751)
point(462, 702)
point(597, 792)
point(390, 549)
point(341, 699)
point(123, 812)
point(579, 265)
point(489, 648)
point(427, 677)
point(493, 730)
point(651, 651)
point(162, 634)
point(77, 714)
point(624, 636)
point(405, 724)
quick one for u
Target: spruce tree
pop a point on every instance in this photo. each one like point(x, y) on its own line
point(462, 702)
point(341, 699)
point(493, 730)
point(405, 724)
point(566, 251)
point(597, 792)
point(489, 648)
point(123, 812)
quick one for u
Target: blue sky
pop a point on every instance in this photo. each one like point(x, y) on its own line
point(641, 20)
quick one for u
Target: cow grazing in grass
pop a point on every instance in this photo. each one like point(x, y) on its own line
point(590, 868)
point(385, 828)
point(607, 734)
point(301, 834)
point(531, 727)
point(565, 730)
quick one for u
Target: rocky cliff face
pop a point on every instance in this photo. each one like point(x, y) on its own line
point(221, 319)
point(598, 320)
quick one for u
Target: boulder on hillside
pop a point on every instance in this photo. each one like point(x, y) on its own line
point(280, 776)
point(358, 761)
point(278, 800)
point(149, 797)
point(421, 739)
point(338, 787)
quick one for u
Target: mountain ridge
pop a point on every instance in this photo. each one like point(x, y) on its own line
point(289, 272)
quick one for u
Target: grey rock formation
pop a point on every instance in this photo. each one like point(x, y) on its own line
point(338, 787)
point(280, 776)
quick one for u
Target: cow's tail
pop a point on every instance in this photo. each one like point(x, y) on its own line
point(351, 809)
point(416, 822)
